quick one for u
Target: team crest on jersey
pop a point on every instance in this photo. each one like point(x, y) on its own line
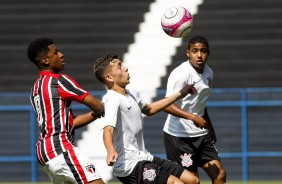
point(149, 174)
point(186, 160)
point(90, 167)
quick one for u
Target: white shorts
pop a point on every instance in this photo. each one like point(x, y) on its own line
point(71, 167)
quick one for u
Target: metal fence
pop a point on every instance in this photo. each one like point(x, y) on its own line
point(244, 98)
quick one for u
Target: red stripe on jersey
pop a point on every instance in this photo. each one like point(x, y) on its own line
point(47, 97)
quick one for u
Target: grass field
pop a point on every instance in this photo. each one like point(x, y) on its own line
point(203, 182)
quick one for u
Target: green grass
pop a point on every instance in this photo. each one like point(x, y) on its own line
point(203, 182)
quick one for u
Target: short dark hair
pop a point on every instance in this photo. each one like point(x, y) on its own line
point(38, 48)
point(102, 64)
point(198, 39)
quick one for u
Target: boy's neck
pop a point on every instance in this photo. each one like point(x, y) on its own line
point(119, 90)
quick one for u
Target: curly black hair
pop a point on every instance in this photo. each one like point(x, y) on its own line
point(38, 48)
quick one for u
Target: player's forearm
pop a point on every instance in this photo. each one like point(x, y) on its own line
point(108, 140)
point(95, 105)
point(82, 120)
point(178, 112)
point(159, 105)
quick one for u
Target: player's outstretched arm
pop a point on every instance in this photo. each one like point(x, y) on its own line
point(95, 105)
point(109, 144)
point(155, 107)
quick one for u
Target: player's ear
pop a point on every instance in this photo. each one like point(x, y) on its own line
point(187, 53)
point(44, 61)
point(109, 78)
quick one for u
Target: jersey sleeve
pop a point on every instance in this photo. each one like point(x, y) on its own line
point(69, 89)
point(175, 82)
point(112, 106)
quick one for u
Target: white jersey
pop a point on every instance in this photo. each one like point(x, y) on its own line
point(124, 113)
point(196, 103)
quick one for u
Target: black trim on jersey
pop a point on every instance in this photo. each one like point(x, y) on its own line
point(69, 86)
point(44, 157)
point(40, 91)
point(56, 117)
point(39, 161)
point(67, 111)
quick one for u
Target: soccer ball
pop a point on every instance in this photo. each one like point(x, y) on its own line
point(177, 22)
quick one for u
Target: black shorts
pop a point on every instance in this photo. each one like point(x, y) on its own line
point(155, 172)
point(192, 152)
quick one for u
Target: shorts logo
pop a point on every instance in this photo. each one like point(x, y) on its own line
point(186, 160)
point(90, 167)
point(149, 174)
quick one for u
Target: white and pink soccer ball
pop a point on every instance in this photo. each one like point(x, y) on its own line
point(177, 22)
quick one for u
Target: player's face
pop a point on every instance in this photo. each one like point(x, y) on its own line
point(119, 73)
point(55, 59)
point(198, 55)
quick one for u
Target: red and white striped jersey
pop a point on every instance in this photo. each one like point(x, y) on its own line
point(51, 98)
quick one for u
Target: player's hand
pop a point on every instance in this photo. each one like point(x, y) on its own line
point(112, 158)
point(96, 116)
point(189, 88)
point(199, 121)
